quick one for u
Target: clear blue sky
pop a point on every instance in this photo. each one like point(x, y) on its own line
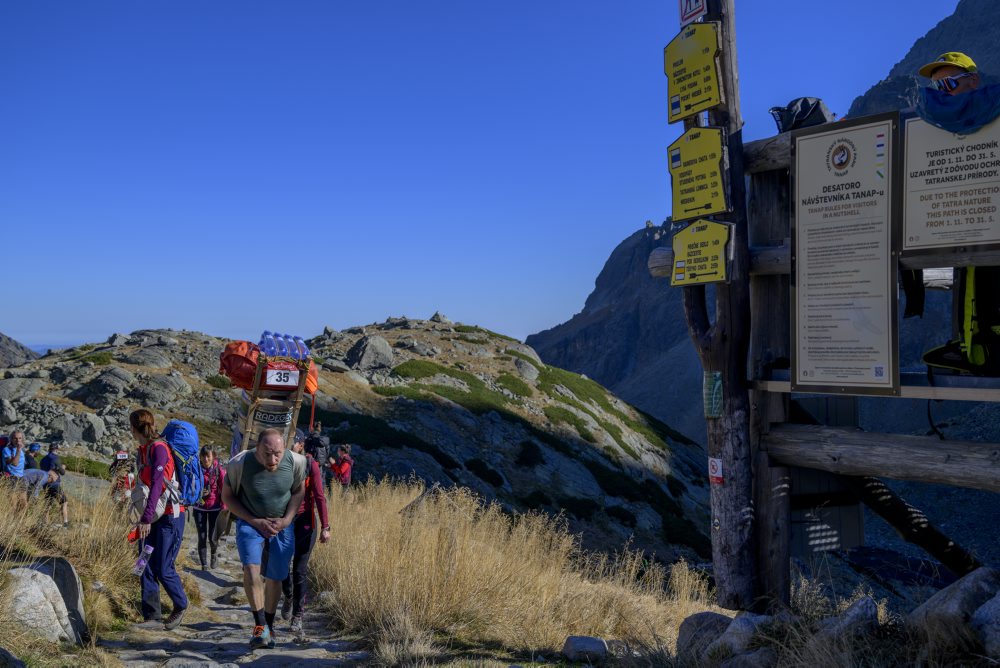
point(233, 166)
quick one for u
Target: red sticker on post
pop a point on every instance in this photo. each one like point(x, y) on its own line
point(715, 471)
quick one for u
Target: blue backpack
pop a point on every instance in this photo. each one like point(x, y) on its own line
point(182, 437)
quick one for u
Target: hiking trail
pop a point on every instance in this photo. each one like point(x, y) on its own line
point(216, 631)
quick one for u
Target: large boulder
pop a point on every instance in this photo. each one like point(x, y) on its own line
point(110, 385)
point(526, 370)
point(945, 615)
point(699, 631)
point(13, 353)
point(986, 625)
point(737, 636)
point(585, 648)
point(20, 389)
point(370, 352)
point(37, 606)
point(8, 414)
point(67, 580)
point(160, 390)
point(148, 357)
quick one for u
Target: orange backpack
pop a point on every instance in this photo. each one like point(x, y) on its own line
point(238, 362)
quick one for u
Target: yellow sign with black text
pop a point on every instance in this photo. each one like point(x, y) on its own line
point(700, 253)
point(692, 69)
point(697, 162)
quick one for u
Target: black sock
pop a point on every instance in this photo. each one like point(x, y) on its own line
point(269, 618)
point(258, 617)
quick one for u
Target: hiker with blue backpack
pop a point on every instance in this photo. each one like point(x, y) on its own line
point(167, 482)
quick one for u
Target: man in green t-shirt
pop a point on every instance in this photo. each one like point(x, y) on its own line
point(263, 488)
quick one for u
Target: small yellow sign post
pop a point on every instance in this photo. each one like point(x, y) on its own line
point(690, 63)
point(697, 163)
point(701, 253)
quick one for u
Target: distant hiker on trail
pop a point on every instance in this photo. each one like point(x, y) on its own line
point(343, 465)
point(955, 101)
point(294, 586)
point(122, 477)
point(164, 533)
point(264, 488)
point(29, 456)
point(13, 455)
point(52, 461)
point(206, 513)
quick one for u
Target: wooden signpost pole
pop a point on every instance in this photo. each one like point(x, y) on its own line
point(723, 347)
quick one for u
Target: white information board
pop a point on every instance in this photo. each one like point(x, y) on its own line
point(692, 10)
point(844, 297)
point(951, 187)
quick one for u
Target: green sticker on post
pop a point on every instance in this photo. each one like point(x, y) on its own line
point(712, 394)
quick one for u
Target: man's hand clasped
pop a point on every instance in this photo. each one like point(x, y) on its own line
point(269, 527)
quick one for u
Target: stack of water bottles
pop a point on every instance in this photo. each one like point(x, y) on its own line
point(283, 345)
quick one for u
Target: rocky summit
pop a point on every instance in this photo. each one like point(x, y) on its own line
point(13, 353)
point(452, 404)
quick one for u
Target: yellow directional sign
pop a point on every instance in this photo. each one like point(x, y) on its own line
point(697, 163)
point(700, 253)
point(692, 70)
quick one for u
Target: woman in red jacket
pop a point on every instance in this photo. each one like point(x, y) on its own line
point(165, 533)
point(206, 513)
point(294, 586)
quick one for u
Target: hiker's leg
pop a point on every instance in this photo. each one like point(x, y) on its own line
point(250, 545)
point(150, 577)
point(280, 550)
point(272, 594)
point(305, 539)
point(172, 534)
point(212, 518)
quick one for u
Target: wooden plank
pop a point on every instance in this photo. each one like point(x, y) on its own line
point(765, 155)
point(858, 453)
point(906, 391)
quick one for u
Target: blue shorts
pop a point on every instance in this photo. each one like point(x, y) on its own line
point(280, 549)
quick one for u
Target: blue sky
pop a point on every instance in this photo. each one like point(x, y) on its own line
point(233, 166)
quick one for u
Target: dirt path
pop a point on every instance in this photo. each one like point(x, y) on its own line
point(217, 631)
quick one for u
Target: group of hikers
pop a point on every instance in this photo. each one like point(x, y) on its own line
point(278, 498)
point(20, 467)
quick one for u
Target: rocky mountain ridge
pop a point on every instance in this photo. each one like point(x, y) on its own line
point(13, 353)
point(453, 404)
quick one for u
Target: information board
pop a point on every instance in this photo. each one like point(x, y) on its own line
point(697, 162)
point(690, 62)
point(844, 297)
point(701, 253)
point(951, 187)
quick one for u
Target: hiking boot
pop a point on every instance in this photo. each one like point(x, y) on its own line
point(261, 638)
point(215, 561)
point(286, 608)
point(296, 625)
point(65, 525)
point(174, 620)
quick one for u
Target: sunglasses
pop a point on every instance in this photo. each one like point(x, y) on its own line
point(948, 84)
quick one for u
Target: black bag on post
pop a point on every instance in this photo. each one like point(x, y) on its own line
point(802, 112)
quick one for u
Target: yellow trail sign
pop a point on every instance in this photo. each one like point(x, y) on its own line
point(697, 163)
point(701, 253)
point(692, 70)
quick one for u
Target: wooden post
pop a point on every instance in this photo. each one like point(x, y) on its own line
point(722, 347)
point(769, 225)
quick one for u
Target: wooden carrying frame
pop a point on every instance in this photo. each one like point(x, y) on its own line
point(273, 399)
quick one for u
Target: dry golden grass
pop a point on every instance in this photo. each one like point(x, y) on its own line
point(95, 544)
point(408, 564)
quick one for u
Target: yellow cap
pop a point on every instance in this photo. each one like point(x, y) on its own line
point(953, 58)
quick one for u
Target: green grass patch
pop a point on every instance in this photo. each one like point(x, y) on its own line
point(521, 356)
point(514, 385)
point(484, 471)
point(99, 359)
point(584, 388)
point(420, 369)
point(401, 391)
point(558, 414)
point(664, 430)
point(219, 381)
point(478, 400)
point(87, 467)
point(473, 329)
point(372, 432)
point(217, 434)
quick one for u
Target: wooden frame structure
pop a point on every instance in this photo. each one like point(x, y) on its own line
point(273, 402)
point(857, 456)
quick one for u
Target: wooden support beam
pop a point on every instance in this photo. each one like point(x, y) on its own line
point(911, 524)
point(859, 453)
point(776, 260)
